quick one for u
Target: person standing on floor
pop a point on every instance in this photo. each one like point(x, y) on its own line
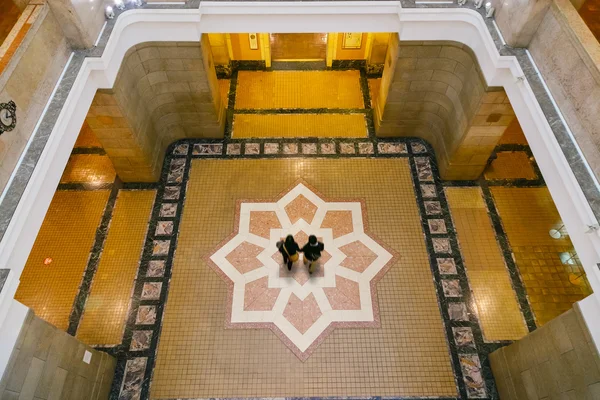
point(312, 252)
point(289, 250)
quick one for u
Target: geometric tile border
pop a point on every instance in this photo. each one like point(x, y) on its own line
point(468, 350)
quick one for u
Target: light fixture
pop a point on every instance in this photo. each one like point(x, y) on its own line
point(119, 4)
point(109, 13)
point(462, 2)
point(556, 233)
point(47, 261)
point(567, 258)
point(137, 3)
point(489, 10)
point(478, 3)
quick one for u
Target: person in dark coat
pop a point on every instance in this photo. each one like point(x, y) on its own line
point(312, 252)
point(289, 250)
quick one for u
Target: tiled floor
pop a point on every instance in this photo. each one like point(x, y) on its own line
point(198, 357)
point(527, 216)
point(497, 306)
point(10, 15)
point(590, 12)
point(89, 168)
point(299, 125)
point(86, 137)
point(510, 165)
point(302, 307)
point(106, 309)
point(298, 89)
point(55, 267)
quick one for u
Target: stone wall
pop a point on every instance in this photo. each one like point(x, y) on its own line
point(558, 360)
point(47, 363)
point(164, 92)
point(81, 21)
point(434, 90)
point(568, 56)
point(28, 80)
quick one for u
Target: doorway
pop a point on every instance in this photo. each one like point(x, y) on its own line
point(298, 46)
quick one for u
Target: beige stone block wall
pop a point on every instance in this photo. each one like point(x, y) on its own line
point(127, 135)
point(568, 56)
point(47, 363)
point(29, 80)
point(491, 120)
point(557, 361)
point(435, 90)
point(164, 92)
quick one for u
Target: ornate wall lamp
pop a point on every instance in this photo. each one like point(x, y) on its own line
point(8, 116)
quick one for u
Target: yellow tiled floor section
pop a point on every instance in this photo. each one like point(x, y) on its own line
point(66, 236)
point(224, 85)
point(198, 357)
point(106, 309)
point(86, 137)
point(513, 134)
point(527, 215)
point(510, 165)
point(88, 168)
point(299, 125)
point(497, 306)
point(298, 89)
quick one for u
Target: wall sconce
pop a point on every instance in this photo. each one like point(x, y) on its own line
point(489, 10)
point(567, 258)
point(119, 4)
point(109, 13)
point(478, 4)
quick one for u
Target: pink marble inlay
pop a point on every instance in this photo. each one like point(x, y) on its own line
point(301, 208)
point(243, 257)
point(358, 256)
point(339, 221)
point(261, 223)
point(302, 314)
point(259, 297)
point(345, 295)
point(262, 283)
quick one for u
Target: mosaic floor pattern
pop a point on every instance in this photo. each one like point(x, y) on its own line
point(302, 309)
point(199, 357)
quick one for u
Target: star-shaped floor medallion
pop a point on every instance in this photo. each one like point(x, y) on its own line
point(299, 307)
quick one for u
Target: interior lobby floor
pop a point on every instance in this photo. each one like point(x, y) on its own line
point(420, 280)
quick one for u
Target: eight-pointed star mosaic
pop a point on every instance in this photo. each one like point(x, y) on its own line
point(301, 308)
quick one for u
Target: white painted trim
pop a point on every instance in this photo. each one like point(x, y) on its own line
point(142, 25)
